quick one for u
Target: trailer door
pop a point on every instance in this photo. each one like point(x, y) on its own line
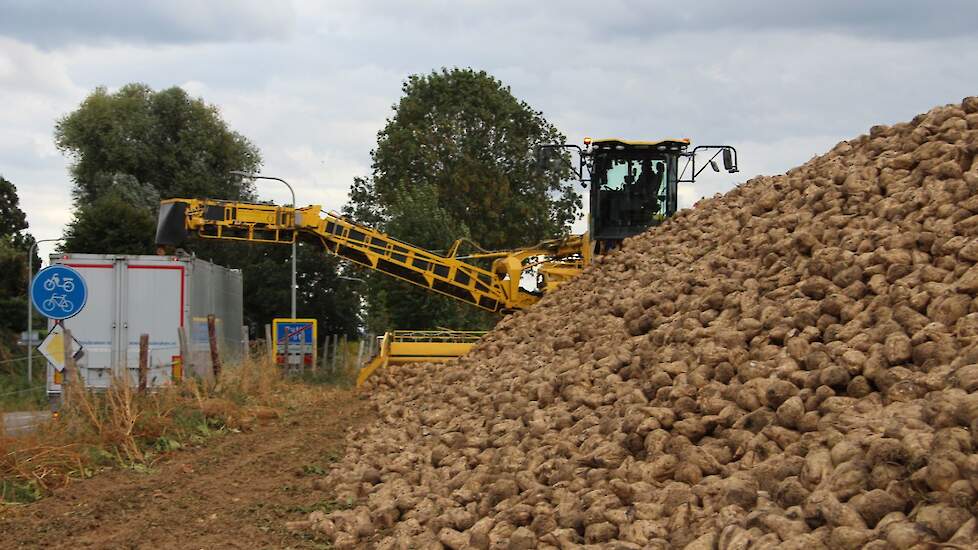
point(154, 297)
point(95, 326)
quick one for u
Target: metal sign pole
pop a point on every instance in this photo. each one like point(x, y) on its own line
point(293, 285)
point(30, 316)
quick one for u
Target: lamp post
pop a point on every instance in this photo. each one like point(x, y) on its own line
point(260, 177)
point(30, 311)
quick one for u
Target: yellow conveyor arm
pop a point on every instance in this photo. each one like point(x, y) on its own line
point(365, 246)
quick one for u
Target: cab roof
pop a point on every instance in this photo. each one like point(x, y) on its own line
point(670, 143)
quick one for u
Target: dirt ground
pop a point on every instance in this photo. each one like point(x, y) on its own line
point(236, 492)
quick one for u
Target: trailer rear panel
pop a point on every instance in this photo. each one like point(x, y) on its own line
point(154, 295)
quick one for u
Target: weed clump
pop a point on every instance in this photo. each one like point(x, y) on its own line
point(122, 428)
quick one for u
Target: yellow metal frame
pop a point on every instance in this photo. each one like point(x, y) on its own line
point(632, 142)
point(413, 346)
point(495, 290)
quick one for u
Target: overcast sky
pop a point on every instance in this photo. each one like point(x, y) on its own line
point(311, 83)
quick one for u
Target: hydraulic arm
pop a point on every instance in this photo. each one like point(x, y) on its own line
point(497, 290)
point(633, 187)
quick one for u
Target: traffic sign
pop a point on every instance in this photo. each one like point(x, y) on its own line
point(53, 347)
point(59, 292)
point(298, 337)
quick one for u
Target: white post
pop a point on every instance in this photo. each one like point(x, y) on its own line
point(245, 343)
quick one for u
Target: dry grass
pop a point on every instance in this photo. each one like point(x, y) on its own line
point(120, 427)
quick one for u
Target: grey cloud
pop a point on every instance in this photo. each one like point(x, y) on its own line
point(647, 19)
point(889, 19)
point(53, 23)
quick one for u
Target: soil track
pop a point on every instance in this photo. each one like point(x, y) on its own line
point(236, 492)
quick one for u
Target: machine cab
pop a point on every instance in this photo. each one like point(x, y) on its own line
point(633, 186)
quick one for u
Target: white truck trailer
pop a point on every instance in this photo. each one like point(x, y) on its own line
point(156, 295)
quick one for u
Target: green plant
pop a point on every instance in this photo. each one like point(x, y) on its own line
point(313, 470)
point(325, 506)
point(165, 444)
point(20, 491)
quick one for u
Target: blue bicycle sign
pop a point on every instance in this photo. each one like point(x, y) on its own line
point(59, 292)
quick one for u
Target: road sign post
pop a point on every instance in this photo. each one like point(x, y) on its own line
point(30, 313)
point(58, 292)
point(295, 343)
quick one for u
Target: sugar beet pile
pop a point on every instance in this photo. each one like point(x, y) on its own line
point(793, 364)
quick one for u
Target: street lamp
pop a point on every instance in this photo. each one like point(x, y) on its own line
point(259, 177)
point(30, 311)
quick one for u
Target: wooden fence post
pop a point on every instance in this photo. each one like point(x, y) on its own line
point(359, 355)
point(345, 358)
point(324, 360)
point(270, 344)
point(212, 337)
point(336, 349)
point(185, 361)
point(143, 362)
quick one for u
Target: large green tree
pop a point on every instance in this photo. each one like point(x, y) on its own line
point(14, 244)
point(167, 141)
point(457, 159)
point(134, 146)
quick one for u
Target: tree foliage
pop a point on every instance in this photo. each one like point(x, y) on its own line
point(176, 144)
point(457, 159)
point(321, 295)
point(12, 219)
point(135, 146)
point(111, 225)
point(15, 242)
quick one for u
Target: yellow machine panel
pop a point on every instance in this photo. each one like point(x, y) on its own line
point(412, 346)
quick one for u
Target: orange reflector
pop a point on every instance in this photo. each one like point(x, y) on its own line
point(176, 363)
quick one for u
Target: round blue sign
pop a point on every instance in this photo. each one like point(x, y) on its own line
point(59, 292)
